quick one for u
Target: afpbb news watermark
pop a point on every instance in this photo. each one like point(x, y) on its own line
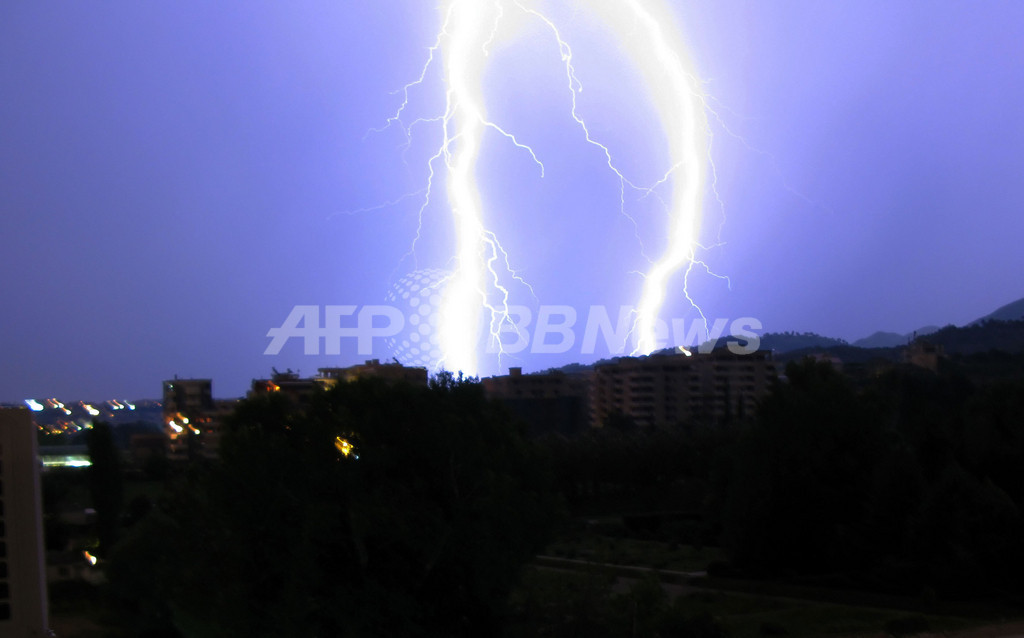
point(411, 332)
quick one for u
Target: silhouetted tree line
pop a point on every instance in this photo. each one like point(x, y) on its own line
point(913, 482)
point(420, 530)
point(786, 341)
point(625, 469)
point(984, 336)
point(906, 482)
point(105, 481)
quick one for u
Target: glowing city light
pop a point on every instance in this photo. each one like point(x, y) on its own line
point(645, 31)
point(34, 405)
point(345, 447)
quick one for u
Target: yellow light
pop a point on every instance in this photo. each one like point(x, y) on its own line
point(343, 446)
point(89, 557)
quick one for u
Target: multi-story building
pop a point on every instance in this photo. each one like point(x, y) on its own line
point(188, 408)
point(289, 384)
point(548, 402)
point(23, 608)
point(666, 389)
point(924, 354)
point(374, 369)
point(211, 424)
point(299, 388)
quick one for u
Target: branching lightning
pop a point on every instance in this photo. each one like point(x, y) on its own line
point(684, 121)
point(468, 30)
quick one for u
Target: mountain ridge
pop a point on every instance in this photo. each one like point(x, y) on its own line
point(790, 341)
point(1012, 311)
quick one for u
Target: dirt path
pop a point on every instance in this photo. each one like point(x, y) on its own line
point(1001, 630)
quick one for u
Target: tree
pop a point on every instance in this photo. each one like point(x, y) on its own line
point(908, 483)
point(105, 483)
point(804, 475)
point(419, 530)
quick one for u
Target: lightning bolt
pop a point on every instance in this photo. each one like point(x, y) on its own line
point(681, 108)
point(468, 30)
point(475, 284)
point(658, 52)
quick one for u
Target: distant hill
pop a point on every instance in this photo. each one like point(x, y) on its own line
point(893, 339)
point(989, 349)
point(846, 353)
point(788, 341)
point(882, 340)
point(1013, 311)
point(999, 331)
point(782, 342)
point(981, 336)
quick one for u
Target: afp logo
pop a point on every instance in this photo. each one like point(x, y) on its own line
point(408, 323)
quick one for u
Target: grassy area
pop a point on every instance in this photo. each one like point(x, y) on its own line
point(574, 599)
point(565, 603)
point(79, 610)
point(745, 617)
point(631, 551)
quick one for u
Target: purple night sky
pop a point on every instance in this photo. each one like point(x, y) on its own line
point(176, 176)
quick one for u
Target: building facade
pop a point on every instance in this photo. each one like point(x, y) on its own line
point(548, 402)
point(23, 606)
point(188, 407)
point(374, 369)
point(667, 389)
